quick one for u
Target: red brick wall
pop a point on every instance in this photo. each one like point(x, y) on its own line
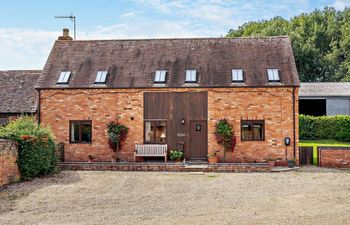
point(274, 105)
point(336, 157)
point(100, 106)
point(8, 162)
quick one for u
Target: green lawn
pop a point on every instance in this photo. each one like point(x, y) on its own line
point(316, 143)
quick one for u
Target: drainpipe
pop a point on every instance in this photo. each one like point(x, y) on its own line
point(38, 111)
point(294, 139)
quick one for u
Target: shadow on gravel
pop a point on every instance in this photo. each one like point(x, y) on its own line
point(316, 169)
point(10, 193)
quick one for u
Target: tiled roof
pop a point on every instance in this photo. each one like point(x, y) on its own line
point(132, 63)
point(17, 93)
point(324, 89)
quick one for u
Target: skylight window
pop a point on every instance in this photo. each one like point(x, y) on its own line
point(101, 77)
point(160, 76)
point(273, 75)
point(64, 77)
point(237, 75)
point(191, 76)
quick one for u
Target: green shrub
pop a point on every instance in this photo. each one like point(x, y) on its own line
point(36, 148)
point(324, 127)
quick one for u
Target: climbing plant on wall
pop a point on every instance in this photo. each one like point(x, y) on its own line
point(224, 135)
point(117, 134)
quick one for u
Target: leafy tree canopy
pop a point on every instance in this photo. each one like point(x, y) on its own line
point(320, 41)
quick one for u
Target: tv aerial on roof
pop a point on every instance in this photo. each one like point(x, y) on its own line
point(73, 19)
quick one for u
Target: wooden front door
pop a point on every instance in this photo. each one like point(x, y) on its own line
point(199, 140)
point(306, 155)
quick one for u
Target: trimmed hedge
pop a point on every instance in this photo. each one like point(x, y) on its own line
point(324, 127)
point(36, 148)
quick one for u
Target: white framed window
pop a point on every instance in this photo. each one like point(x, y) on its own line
point(237, 75)
point(273, 75)
point(160, 76)
point(101, 77)
point(64, 77)
point(191, 76)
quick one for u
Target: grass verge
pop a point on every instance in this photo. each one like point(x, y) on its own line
point(317, 143)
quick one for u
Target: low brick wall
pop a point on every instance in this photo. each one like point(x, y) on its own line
point(168, 167)
point(335, 157)
point(8, 162)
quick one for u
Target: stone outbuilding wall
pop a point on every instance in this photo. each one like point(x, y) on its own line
point(9, 171)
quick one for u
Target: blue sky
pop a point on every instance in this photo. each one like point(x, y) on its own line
point(28, 28)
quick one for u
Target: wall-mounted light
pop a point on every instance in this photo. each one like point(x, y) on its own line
point(287, 141)
point(183, 121)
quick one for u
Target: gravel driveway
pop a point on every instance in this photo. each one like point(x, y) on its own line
point(307, 196)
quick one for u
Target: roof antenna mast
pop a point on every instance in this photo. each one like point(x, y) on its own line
point(73, 19)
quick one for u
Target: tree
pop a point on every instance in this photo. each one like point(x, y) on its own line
point(320, 42)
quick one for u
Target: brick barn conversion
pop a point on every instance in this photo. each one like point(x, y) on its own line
point(172, 91)
point(17, 94)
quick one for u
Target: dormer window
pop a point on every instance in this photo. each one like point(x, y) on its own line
point(273, 75)
point(160, 76)
point(101, 77)
point(237, 75)
point(191, 76)
point(64, 77)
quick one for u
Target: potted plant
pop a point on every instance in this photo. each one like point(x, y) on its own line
point(90, 158)
point(117, 134)
point(224, 135)
point(212, 157)
point(291, 163)
point(176, 155)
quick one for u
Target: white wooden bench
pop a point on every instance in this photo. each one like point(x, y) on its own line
point(151, 150)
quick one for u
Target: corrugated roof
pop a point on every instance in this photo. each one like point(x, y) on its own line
point(17, 93)
point(132, 63)
point(324, 89)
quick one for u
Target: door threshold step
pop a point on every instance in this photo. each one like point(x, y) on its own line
point(198, 166)
point(197, 162)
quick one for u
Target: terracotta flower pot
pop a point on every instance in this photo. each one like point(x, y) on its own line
point(177, 160)
point(213, 160)
point(26, 137)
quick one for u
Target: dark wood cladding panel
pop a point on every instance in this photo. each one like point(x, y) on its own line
point(174, 107)
point(156, 105)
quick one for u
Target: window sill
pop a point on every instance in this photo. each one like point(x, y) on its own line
point(252, 140)
point(85, 143)
point(159, 85)
point(154, 143)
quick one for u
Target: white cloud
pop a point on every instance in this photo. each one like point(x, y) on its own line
point(145, 28)
point(341, 4)
point(128, 14)
point(25, 48)
point(29, 49)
